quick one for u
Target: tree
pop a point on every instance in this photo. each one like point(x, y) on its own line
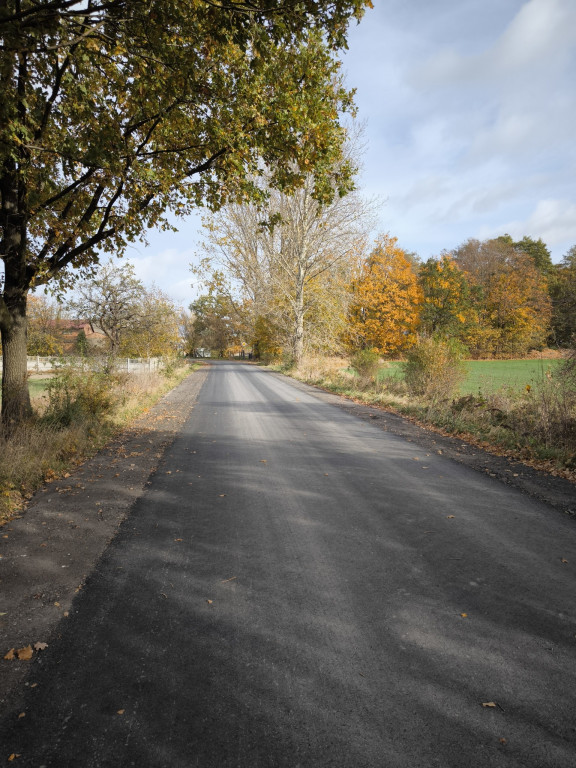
point(157, 333)
point(112, 302)
point(115, 113)
point(214, 325)
point(511, 298)
point(386, 301)
point(447, 302)
point(291, 257)
point(563, 292)
point(538, 252)
point(43, 327)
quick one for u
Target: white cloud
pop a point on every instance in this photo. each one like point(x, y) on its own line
point(552, 220)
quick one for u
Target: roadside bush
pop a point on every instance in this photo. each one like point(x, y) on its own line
point(75, 395)
point(434, 368)
point(548, 414)
point(366, 363)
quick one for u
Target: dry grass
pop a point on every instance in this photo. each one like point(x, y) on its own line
point(42, 450)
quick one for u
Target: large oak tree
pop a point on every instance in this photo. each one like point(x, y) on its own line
point(115, 112)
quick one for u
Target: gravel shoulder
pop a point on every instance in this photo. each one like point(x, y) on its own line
point(46, 555)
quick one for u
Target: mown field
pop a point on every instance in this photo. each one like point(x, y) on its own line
point(488, 376)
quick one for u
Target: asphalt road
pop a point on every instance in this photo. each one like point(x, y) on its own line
point(299, 588)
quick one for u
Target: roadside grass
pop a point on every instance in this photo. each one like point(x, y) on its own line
point(62, 435)
point(494, 408)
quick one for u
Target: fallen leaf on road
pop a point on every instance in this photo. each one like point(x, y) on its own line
point(40, 646)
point(209, 602)
point(490, 704)
point(563, 560)
point(25, 654)
point(450, 517)
point(178, 539)
point(13, 756)
point(10, 655)
point(503, 741)
point(464, 615)
point(121, 711)
point(21, 715)
point(222, 495)
point(263, 461)
point(230, 579)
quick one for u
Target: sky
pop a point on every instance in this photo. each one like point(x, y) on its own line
point(470, 113)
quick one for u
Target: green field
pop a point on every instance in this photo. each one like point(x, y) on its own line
point(492, 375)
point(37, 387)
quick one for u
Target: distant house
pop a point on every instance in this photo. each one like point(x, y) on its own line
point(67, 332)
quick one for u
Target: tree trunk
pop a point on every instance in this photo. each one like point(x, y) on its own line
point(15, 395)
point(298, 344)
point(13, 299)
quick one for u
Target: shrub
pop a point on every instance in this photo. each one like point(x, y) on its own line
point(548, 414)
point(75, 395)
point(366, 363)
point(434, 368)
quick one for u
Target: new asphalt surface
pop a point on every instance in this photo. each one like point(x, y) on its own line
point(298, 588)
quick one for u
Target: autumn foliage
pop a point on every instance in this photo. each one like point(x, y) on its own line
point(385, 309)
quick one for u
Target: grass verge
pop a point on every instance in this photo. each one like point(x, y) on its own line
point(72, 421)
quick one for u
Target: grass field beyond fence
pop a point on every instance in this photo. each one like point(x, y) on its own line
point(489, 376)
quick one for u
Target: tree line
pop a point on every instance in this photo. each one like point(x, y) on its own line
point(272, 285)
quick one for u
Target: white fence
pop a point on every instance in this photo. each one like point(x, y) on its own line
point(133, 365)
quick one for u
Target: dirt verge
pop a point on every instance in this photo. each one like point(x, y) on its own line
point(46, 554)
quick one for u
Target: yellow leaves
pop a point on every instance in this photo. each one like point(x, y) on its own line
point(489, 704)
point(25, 653)
point(13, 756)
point(386, 296)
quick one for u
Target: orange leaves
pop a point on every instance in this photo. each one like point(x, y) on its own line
point(386, 299)
point(25, 653)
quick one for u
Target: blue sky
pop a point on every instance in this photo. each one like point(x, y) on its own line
point(470, 113)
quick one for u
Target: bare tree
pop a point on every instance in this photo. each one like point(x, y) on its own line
point(291, 255)
point(111, 302)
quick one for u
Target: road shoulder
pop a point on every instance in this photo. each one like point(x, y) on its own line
point(555, 491)
point(47, 553)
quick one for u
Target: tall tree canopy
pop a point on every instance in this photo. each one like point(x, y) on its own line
point(292, 259)
point(115, 112)
point(511, 298)
point(386, 300)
